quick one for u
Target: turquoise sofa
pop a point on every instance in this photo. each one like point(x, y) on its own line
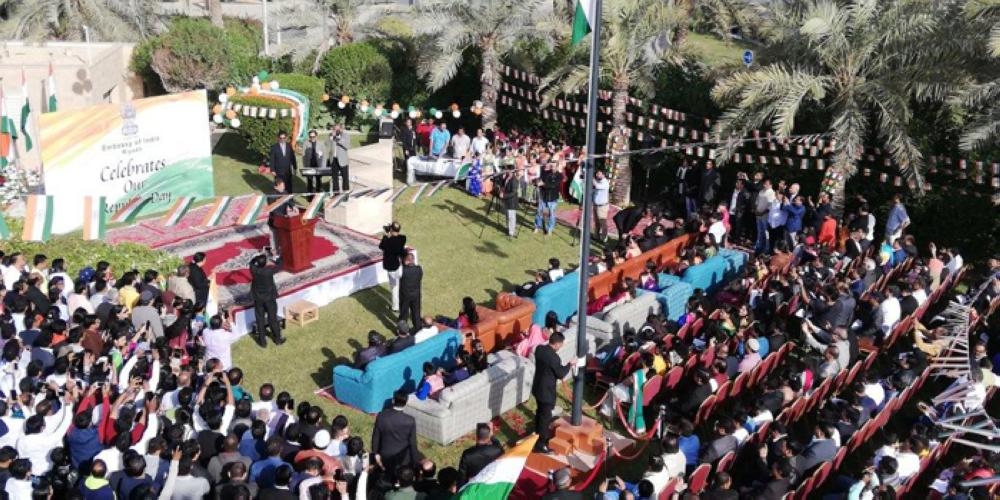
point(559, 296)
point(673, 295)
point(716, 271)
point(370, 389)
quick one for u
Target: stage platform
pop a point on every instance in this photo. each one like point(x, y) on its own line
point(344, 261)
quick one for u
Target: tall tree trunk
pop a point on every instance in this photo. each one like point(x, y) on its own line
point(320, 52)
point(618, 142)
point(489, 81)
point(835, 183)
point(215, 12)
point(684, 26)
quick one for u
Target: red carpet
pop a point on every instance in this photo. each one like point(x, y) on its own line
point(217, 258)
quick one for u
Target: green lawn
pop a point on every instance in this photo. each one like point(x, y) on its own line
point(463, 253)
point(714, 52)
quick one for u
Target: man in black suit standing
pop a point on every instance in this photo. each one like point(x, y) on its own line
point(198, 279)
point(394, 437)
point(409, 290)
point(264, 292)
point(549, 370)
point(283, 162)
point(407, 138)
point(286, 209)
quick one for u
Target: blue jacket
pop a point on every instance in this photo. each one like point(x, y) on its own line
point(84, 445)
point(795, 214)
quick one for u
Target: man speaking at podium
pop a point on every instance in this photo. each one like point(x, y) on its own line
point(286, 209)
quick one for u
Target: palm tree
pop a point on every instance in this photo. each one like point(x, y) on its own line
point(112, 20)
point(636, 40)
point(859, 61)
point(980, 97)
point(493, 27)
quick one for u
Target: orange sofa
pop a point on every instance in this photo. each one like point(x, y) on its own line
point(498, 327)
point(665, 256)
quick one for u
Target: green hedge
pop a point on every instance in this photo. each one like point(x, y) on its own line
point(309, 86)
point(261, 133)
point(358, 70)
point(81, 253)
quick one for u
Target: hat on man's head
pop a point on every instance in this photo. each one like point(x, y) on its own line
point(321, 439)
point(753, 345)
point(146, 296)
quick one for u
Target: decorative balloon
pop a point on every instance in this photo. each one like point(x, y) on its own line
point(230, 91)
point(235, 123)
point(217, 109)
point(363, 106)
point(326, 97)
point(274, 85)
point(262, 75)
point(217, 118)
point(230, 114)
point(223, 97)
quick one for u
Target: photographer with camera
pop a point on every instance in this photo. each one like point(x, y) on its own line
point(393, 246)
point(264, 292)
point(508, 195)
point(548, 185)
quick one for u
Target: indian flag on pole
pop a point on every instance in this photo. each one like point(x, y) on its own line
point(314, 206)
point(129, 210)
point(25, 112)
point(8, 133)
point(50, 91)
point(216, 211)
point(462, 172)
point(583, 19)
point(95, 216)
point(38, 218)
point(576, 185)
point(177, 211)
point(252, 210)
point(496, 481)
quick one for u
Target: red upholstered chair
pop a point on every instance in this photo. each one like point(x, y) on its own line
point(667, 493)
point(673, 378)
point(841, 455)
point(739, 384)
point(705, 410)
point(724, 390)
point(651, 389)
point(726, 462)
point(513, 317)
point(699, 478)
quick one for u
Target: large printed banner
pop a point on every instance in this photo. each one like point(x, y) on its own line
point(157, 147)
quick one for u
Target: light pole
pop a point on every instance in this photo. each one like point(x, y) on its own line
point(267, 43)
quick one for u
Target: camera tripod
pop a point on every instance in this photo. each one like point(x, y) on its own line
point(494, 207)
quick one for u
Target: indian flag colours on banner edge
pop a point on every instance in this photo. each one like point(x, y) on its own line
point(252, 210)
point(496, 481)
point(177, 211)
point(129, 210)
point(38, 218)
point(340, 199)
point(25, 112)
point(4, 229)
point(8, 133)
point(583, 19)
point(50, 91)
point(463, 171)
point(576, 186)
point(277, 203)
point(398, 193)
point(419, 192)
point(216, 212)
point(437, 186)
point(313, 209)
point(95, 214)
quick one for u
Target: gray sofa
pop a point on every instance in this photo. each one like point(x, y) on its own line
point(602, 328)
point(504, 385)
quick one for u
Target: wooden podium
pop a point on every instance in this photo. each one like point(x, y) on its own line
point(295, 241)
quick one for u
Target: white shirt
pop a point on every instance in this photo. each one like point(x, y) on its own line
point(424, 334)
point(908, 464)
point(460, 145)
point(479, 145)
point(920, 295)
point(10, 276)
point(876, 392)
point(891, 313)
point(218, 345)
point(885, 451)
point(741, 434)
point(112, 458)
point(953, 266)
point(764, 200)
point(602, 189)
point(36, 447)
point(675, 464)
point(718, 230)
point(15, 428)
point(659, 479)
point(776, 217)
point(18, 489)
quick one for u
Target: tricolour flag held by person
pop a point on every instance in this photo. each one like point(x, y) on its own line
point(216, 211)
point(95, 217)
point(177, 211)
point(583, 19)
point(496, 481)
point(576, 185)
point(315, 206)
point(37, 218)
point(252, 210)
point(50, 92)
point(8, 133)
point(25, 113)
point(130, 210)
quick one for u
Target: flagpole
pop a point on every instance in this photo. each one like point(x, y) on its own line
point(586, 206)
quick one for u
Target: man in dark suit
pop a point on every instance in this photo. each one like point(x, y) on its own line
point(312, 158)
point(723, 443)
point(281, 489)
point(409, 290)
point(821, 449)
point(394, 436)
point(549, 370)
point(198, 279)
point(282, 160)
point(286, 209)
point(403, 338)
point(480, 455)
point(709, 184)
point(407, 138)
point(264, 292)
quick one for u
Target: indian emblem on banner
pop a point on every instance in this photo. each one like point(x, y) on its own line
point(129, 127)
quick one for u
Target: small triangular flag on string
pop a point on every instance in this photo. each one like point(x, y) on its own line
point(436, 188)
point(419, 192)
point(314, 206)
point(216, 211)
point(130, 210)
point(95, 216)
point(177, 211)
point(340, 199)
